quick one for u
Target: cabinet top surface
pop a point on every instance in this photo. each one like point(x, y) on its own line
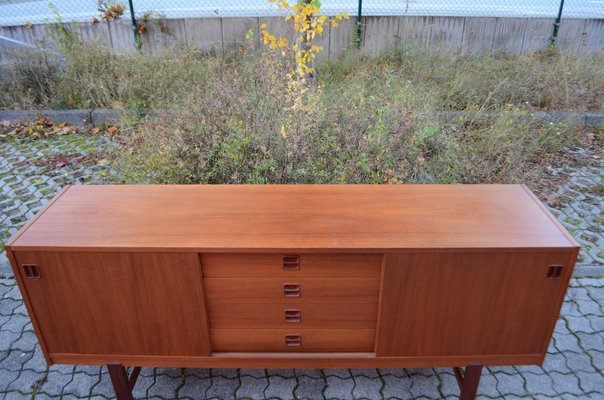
point(294, 217)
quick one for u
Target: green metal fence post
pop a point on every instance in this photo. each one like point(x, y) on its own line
point(557, 24)
point(137, 38)
point(359, 33)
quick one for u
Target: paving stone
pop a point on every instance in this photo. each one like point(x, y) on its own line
point(310, 388)
point(593, 382)
point(367, 388)
point(539, 384)
point(280, 387)
point(251, 387)
point(7, 378)
point(396, 387)
point(195, 387)
point(591, 341)
point(200, 373)
point(488, 385)
point(424, 386)
point(556, 362)
point(144, 385)
point(311, 373)
point(17, 395)
point(449, 386)
point(366, 372)
point(338, 388)
point(7, 306)
point(223, 389)
point(597, 357)
point(578, 324)
point(566, 343)
point(283, 373)
point(15, 359)
point(36, 362)
point(229, 373)
point(81, 385)
point(103, 387)
point(339, 372)
point(91, 370)
point(27, 342)
point(565, 383)
point(55, 382)
point(510, 384)
point(15, 324)
point(7, 338)
point(256, 373)
point(398, 372)
point(13, 292)
point(166, 386)
point(579, 362)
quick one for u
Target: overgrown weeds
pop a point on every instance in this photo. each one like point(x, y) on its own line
point(91, 76)
point(247, 126)
point(233, 117)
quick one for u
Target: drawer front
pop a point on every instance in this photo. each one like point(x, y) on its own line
point(291, 291)
point(222, 265)
point(292, 340)
point(301, 316)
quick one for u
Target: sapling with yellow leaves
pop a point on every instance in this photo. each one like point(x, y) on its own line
point(307, 22)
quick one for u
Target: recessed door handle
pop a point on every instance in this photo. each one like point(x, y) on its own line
point(554, 271)
point(31, 271)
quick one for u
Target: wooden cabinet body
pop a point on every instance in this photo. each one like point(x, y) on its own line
point(294, 276)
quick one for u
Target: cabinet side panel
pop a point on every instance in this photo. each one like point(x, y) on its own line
point(28, 305)
point(118, 303)
point(469, 304)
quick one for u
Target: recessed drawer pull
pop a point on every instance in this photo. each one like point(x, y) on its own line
point(293, 340)
point(554, 271)
point(291, 263)
point(293, 315)
point(31, 271)
point(291, 290)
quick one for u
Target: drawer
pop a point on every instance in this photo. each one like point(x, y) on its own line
point(291, 291)
point(287, 340)
point(301, 316)
point(223, 265)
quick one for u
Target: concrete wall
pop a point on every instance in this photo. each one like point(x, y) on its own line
point(457, 34)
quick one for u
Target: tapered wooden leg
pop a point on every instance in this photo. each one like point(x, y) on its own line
point(468, 382)
point(122, 384)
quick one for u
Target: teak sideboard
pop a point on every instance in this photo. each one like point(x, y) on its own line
point(294, 276)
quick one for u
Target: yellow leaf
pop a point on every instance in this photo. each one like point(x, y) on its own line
point(263, 26)
point(283, 133)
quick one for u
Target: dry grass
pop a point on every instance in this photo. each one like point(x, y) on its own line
point(232, 118)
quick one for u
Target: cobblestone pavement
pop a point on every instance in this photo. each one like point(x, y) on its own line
point(33, 171)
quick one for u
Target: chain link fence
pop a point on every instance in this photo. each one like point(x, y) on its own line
point(21, 12)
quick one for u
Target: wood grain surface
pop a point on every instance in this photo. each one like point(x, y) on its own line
point(118, 303)
point(453, 304)
point(273, 340)
point(337, 218)
point(312, 290)
point(312, 316)
point(260, 265)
